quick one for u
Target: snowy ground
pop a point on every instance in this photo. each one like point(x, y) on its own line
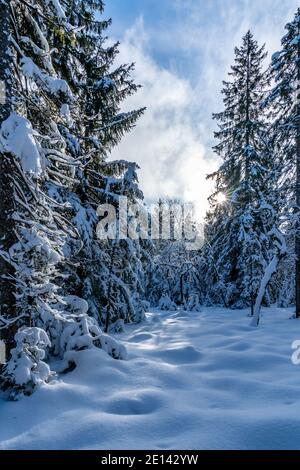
point(192, 381)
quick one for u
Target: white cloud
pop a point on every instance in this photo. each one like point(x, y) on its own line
point(166, 143)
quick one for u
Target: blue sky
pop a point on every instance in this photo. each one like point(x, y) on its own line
point(183, 50)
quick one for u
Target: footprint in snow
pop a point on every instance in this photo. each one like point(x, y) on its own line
point(138, 404)
point(180, 355)
point(140, 337)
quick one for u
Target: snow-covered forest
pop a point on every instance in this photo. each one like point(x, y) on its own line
point(104, 326)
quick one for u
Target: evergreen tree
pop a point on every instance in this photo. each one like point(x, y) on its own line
point(284, 106)
point(100, 90)
point(237, 243)
point(114, 282)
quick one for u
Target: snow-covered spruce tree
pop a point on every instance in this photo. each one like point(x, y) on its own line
point(116, 289)
point(40, 159)
point(237, 242)
point(284, 106)
point(87, 65)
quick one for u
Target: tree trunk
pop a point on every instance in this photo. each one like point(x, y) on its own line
point(271, 269)
point(109, 290)
point(297, 241)
point(7, 233)
point(247, 163)
point(181, 290)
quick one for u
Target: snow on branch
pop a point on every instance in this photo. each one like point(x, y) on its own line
point(17, 138)
point(57, 8)
point(53, 86)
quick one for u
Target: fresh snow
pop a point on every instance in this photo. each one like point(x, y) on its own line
point(201, 380)
point(55, 86)
point(17, 138)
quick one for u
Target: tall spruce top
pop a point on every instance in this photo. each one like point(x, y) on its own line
point(241, 122)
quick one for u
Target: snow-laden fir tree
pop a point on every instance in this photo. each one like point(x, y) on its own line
point(238, 245)
point(100, 89)
point(53, 147)
point(115, 289)
point(284, 107)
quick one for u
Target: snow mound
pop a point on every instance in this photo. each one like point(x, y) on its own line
point(26, 368)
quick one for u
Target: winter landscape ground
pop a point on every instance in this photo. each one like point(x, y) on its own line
point(203, 380)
